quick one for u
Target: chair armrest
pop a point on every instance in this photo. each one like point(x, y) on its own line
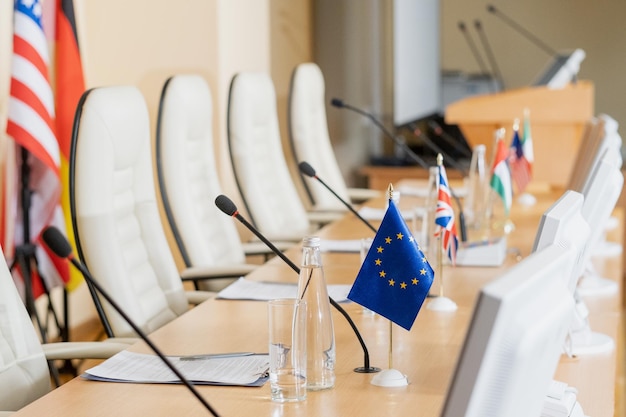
point(198, 297)
point(360, 195)
point(82, 350)
point(220, 271)
point(324, 217)
point(260, 248)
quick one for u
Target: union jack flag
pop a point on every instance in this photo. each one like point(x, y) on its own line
point(444, 216)
point(519, 165)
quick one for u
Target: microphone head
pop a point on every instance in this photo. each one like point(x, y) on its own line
point(54, 239)
point(226, 205)
point(306, 169)
point(477, 24)
point(461, 25)
point(337, 102)
point(491, 8)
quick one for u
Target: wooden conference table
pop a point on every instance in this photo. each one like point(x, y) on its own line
point(427, 354)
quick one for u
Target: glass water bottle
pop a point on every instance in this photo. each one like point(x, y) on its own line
point(319, 327)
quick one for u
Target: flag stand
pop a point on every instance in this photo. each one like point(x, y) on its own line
point(440, 302)
point(390, 377)
point(26, 258)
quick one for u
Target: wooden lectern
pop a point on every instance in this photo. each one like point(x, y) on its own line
point(557, 119)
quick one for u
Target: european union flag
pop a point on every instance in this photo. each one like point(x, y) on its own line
point(395, 277)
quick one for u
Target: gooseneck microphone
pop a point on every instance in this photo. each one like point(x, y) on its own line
point(227, 206)
point(490, 56)
point(440, 132)
point(436, 149)
point(512, 23)
point(472, 46)
point(340, 104)
point(59, 245)
point(309, 171)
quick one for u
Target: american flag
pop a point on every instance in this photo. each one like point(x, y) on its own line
point(31, 124)
point(518, 164)
point(444, 216)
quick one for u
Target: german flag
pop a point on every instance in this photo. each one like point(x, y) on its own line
point(70, 85)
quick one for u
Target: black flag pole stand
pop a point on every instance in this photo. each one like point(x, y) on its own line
point(25, 257)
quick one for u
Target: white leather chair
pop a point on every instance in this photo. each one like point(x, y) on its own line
point(117, 225)
point(310, 141)
point(260, 169)
point(208, 240)
point(24, 374)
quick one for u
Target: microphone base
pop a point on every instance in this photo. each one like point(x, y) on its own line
point(364, 370)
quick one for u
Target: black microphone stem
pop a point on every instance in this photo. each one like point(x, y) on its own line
point(398, 142)
point(263, 239)
point(512, 23)
point(228, 207)
point(143, 336)
point(366, 357)
point(489, 52)
point(433, 146)
point(339, 103)
point(470, 42)
point(440, 132)
point(368, 224)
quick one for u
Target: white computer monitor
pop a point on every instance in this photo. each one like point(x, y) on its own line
point(601, 193)
point(514, 340)
point(601, 139)
point(564, 225)
point(561, 69)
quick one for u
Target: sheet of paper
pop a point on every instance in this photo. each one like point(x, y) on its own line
point(245, 289)
point(345, 245)
point(128, 366)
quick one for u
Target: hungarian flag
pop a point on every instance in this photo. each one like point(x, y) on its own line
point(31, 124)
point(70, 85)
point(501, 176)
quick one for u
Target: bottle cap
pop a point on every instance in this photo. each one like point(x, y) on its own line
point(311, 241)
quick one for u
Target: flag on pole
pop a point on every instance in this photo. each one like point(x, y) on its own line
point(31, 125)
point(395, 276)
point(519, 165)
point(70, 85)
point(444, 214)
point(500, 174)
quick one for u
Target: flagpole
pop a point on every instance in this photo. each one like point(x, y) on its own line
point(441, 303)
point(390, 345)
point(440, 264)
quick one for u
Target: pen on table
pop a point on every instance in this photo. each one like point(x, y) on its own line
point(215, 356)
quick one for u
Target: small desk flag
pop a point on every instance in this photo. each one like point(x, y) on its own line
point(444, 215)
point(395, 277)
point(518, 164)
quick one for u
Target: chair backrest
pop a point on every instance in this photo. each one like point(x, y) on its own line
point(188, 176)
point(309, 138)
point(258, 161)
point(117, 226)
point(24, 374)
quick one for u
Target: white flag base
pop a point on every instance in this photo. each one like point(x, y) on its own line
point(390, 378)
point(441, 304)
point(527, 199)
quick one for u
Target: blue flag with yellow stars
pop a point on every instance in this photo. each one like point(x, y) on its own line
point(395, 277)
